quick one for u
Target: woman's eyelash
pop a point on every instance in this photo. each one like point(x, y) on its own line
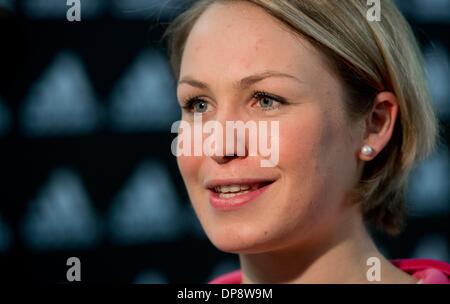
point(262, 94)
point(189, 102)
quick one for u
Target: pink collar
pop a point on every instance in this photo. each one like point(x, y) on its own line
point(428, 271)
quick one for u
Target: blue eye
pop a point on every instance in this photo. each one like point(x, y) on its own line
point(267, 101)
point(196, 105)
point(200, 106)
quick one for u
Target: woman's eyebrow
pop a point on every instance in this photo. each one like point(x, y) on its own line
point(243, 83)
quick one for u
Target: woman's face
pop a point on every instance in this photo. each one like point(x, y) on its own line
point(307, 197)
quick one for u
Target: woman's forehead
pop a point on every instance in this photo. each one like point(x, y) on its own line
point(228, 40)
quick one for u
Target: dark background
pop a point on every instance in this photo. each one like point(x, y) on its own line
point(85, 163)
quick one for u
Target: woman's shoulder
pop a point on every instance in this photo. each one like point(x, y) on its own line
point(427, 271)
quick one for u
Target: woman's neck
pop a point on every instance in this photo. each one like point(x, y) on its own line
point(340, 259)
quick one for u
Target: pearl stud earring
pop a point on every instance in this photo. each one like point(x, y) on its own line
point(367, 150)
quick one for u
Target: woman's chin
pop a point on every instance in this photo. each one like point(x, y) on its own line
point(239, 242)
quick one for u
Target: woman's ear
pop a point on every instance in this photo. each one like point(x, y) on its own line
point(380, 124)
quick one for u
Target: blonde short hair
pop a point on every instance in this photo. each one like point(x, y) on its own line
point(368, 57)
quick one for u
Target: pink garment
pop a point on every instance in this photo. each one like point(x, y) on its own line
point(428, 271)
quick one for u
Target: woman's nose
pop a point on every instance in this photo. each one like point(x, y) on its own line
point(233, 141)
point(224, 159)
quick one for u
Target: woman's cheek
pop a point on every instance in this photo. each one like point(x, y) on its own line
point(299, 139)
point(189, 168)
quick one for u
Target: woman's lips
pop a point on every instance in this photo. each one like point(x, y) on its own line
point(230, 195)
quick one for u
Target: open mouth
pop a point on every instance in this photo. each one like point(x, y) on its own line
point(233, 190)
point(231, 194)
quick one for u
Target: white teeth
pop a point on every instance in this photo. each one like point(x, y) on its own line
point(231, 188)
point(230, 195)
point(234, 188)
